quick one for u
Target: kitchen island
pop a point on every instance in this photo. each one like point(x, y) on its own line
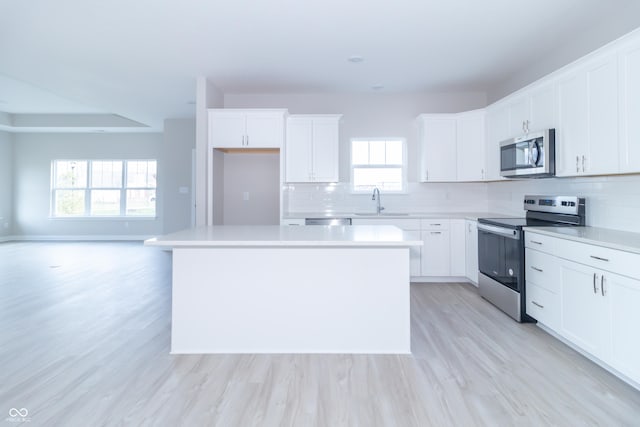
point(288, 289)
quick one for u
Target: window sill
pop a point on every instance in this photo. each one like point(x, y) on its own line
point(103, 218)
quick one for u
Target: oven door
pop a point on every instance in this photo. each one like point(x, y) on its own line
point(500, 255)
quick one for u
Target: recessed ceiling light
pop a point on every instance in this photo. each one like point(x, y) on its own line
point(377, 87)
point(355, 59)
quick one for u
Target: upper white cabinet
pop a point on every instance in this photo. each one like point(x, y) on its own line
point(496, 132)
point(629, 81)
point(452, 146)
point(470, 137)
point(533, 110)
point(438, 147)
point(311, 149)
point(230, 128)
point(587, 137)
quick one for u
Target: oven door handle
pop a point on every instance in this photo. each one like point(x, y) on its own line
point(506, 232)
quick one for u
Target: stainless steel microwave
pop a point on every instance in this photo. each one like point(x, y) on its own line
point(530, 156)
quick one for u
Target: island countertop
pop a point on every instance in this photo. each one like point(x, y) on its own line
point(287, 236)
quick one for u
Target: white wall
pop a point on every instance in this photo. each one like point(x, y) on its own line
point(6, 183)
point(612, 201)
point(33, 154)
point(259, 176)
point(179, 139)
point(207, 96)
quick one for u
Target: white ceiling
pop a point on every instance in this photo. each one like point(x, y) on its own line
point(140, 59)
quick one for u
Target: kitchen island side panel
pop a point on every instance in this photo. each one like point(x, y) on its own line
point(291, 300)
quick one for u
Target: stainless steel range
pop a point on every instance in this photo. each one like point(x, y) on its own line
point(501, 249)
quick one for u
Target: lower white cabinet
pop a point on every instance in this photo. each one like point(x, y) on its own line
point(593, 308)
point(471, 250)
point(435, 252)
point(457, 250)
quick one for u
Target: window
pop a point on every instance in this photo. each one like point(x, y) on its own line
point(103, 188)
point(378, 163)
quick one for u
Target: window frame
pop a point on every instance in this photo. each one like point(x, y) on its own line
point(89, 188)
point(403, 167)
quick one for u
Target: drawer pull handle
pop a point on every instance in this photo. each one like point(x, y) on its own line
point(436, 232)
point(594, 284)
point(537, 243)
point(602, 284)
point(436, 224)
point(599, 259)
point(536, 304)
point(537, 269)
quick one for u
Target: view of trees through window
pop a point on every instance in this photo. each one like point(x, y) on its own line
point(103, 188)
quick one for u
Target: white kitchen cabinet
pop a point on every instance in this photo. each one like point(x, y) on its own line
point(436, 250)
point(231, 128)
point(624, 302)
point(588, 119)
point(471, 250)
point(597, 294)
point(470, 139)
point(311, 149)
point(438, 147)
point(535, 109)
point(457, 249)
point(629, 79)
point(497, 131)
point(583, 310)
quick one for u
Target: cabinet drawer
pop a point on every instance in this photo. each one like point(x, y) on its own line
point(543, 270)
point(543, 306)
point(435, 224)
point(542, 243)
point(613, 260)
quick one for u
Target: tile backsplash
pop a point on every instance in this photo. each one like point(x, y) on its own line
point(612, 201)
point(419, 198)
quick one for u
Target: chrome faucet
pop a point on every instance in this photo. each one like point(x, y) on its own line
point(376, 197)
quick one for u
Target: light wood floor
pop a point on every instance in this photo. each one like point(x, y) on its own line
point(84, 340)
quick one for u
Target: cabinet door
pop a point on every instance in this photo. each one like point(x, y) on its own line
point(457, 252)
point(264, 130)
point(298, 150)
point(602, 77)
point(544, 107)
point(629, 64)
point(435, 253)
point(226, 129)
point(471, 248)
point(623, 294)
point(583, 308)
point(572, 134)
point(497, 131)
point(518, 116)
point(325, 150)
point(471, 144)
point(439, 148)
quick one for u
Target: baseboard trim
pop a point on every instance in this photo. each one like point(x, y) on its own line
point(53, 238)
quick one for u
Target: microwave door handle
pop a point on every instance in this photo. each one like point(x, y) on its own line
point(534, 147)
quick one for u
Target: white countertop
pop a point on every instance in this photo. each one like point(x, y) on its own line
point(614, 239)
point(398, 215)
point(287, 236)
